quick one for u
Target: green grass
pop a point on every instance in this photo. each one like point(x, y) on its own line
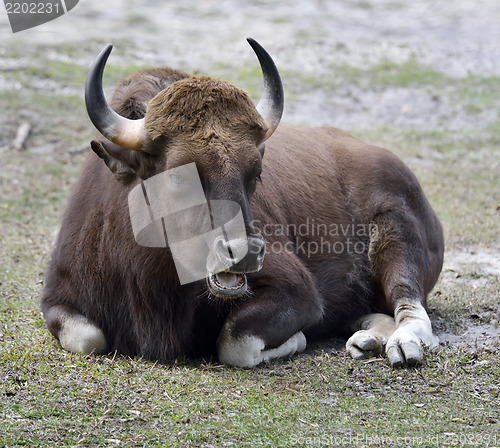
point(94, 399)
point(49, 397)
point(410, 73)
point(384, 74)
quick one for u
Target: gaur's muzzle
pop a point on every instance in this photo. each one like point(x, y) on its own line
point(238, 257)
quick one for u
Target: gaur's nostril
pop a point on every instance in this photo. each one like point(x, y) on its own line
point(224, 253)
point(241, 254)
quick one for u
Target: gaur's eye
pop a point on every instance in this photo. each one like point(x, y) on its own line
point(252, 183)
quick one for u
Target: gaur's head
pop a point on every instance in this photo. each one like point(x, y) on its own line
point(213, 125)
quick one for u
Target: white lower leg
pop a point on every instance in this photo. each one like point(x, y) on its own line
point(79, 335)
point(413, 330)
point(249, 351)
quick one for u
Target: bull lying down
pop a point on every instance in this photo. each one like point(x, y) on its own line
point(199, 227)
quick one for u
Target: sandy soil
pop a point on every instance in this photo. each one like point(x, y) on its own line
point(313, 36)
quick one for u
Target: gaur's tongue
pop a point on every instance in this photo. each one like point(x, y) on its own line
point(228, 279)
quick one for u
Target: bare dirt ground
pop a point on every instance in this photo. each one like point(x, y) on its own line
point(314, 37)
point(486, 262)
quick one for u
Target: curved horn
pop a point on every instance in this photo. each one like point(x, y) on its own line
point(120, 130)
point(272, 101)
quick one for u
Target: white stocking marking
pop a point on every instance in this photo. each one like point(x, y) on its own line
point(248, 351)
point(413, 330)
point(79, 335)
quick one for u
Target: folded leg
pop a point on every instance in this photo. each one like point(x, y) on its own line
point(74, 331)
point(269, 324)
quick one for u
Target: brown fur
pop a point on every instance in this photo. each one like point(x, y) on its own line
point(133, 294)
point(202, 108)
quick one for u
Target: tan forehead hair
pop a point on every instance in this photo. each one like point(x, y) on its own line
point(201, 107)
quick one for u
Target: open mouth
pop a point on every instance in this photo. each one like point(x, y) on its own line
point(227, 285)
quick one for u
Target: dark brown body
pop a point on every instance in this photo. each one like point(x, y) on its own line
point(311, 178)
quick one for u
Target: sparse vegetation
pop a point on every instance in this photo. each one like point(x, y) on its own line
point(49, 397)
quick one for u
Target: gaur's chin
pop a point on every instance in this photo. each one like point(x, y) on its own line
point(227, 285)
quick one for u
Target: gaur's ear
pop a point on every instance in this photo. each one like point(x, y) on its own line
point(122, 162)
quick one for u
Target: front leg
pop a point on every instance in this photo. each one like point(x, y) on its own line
point(414, 329)
point(406, 254)
point(250, 350)
point(269, 324)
